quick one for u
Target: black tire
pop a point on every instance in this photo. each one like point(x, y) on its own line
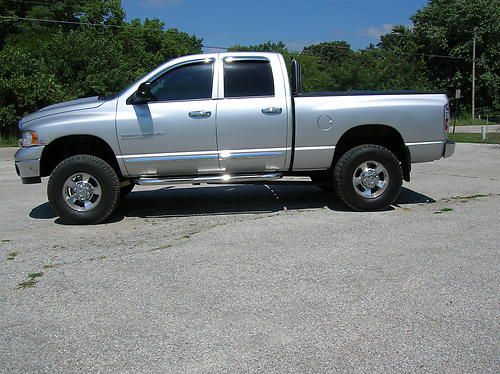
point(324, 181)
point(350, 192)
point(101, 172)
point(124, 191)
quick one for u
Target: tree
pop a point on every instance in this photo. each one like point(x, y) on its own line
point(44, 63)
point(447, 27)
point(374, 68)
point(330, 52)
point(265, 47)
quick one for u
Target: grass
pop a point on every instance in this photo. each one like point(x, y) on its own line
point(50, 266)
point(469, 197)
point(491, 138)
point(8, 141)
point(166, 246)
point(11, 255)
point(188, 235)
point(35, 275)
point(32, 280)
point(444, 210)
point(469, 122)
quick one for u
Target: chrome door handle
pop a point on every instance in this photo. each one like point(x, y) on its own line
point(200, 114)
point(272, 110)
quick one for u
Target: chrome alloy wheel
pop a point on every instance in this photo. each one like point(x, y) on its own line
point(370, 179)
point(82, 192)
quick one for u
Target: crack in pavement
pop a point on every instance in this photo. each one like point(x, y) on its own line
point(454, 175)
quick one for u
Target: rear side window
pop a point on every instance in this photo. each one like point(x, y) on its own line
point(248, 78)
point(188, 82)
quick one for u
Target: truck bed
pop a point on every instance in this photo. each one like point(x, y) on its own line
point(322, 118)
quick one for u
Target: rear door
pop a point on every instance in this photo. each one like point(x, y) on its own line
point(252, 115)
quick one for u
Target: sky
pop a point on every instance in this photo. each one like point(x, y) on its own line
point(295, 22)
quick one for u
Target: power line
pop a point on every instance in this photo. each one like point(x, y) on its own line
point(29, 2)
point(439, 56)
point(403, 53)
point(12, 18)
point(43, 20)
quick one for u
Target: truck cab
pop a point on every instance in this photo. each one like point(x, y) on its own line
point(216, 113)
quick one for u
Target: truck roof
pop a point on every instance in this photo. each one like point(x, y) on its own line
point(230, 54)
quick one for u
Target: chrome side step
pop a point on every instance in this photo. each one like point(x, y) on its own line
point(211, 179)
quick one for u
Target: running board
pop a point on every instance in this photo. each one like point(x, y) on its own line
point(211, 179)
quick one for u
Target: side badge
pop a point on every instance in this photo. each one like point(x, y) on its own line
point(141, 135)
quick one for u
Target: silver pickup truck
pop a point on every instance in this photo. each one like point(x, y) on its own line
point(228, 118)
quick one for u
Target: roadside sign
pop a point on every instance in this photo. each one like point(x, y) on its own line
point(458, 94)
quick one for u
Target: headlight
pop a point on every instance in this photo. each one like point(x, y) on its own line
point(28, 138)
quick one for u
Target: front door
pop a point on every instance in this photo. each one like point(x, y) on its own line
point(175, 132)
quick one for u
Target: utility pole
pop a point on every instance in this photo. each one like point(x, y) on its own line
point(474, 75)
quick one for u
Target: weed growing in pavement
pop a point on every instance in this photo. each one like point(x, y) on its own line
point(11, 255)
point(469, 197)
point(166, 246)
point(444, 210)
point(32, 280)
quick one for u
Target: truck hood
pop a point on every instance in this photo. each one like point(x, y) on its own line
point(68, 106)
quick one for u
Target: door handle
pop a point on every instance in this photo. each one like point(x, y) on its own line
point(200, 114)
point(272, 110)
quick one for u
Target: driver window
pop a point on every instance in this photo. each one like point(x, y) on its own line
point(187, 82)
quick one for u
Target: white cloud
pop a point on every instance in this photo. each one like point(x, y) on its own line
point(298, 46)
point(376, 32)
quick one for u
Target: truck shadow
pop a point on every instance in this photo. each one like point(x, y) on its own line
point(228, 199)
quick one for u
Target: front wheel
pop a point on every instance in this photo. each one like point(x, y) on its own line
point(83, 190)
point(368, 177)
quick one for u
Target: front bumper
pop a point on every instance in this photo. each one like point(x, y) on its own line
point(27, 162)
point(449, 149)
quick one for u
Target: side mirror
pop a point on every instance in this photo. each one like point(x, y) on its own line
point(142, 95)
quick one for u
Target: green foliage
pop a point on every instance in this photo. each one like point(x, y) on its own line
point(446, 27)
point(265, 47)
point(330, 52)
point(10, 141)
point(316, 75)
point(467, 121)
point(334, 66)
point(415, 58)
point(26, 84)
point(491, 138)
point(45, 63)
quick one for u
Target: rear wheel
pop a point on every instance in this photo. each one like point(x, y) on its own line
point(83, 190)
point(368, 177)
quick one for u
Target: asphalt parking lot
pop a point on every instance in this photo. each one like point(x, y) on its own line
point(258, 279)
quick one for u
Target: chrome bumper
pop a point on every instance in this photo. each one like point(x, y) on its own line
point(27, 162)
point(449, 149)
